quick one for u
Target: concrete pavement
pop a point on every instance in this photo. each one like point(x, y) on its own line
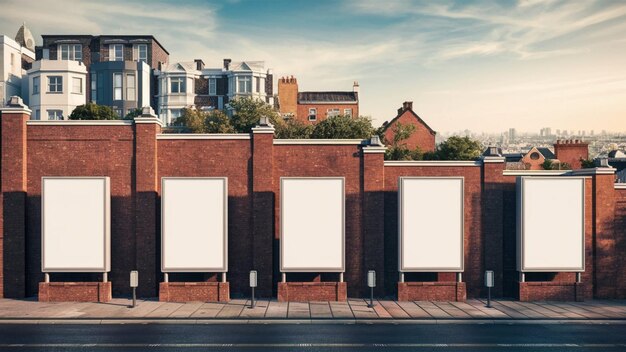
point(354, 310)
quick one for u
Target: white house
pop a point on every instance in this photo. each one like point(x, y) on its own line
point(190, 84)
point(56, 87)
point(13, 58)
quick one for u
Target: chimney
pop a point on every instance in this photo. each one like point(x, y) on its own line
point(199, 64)
point(227, 63)
point(355, 87)
point(407, 105)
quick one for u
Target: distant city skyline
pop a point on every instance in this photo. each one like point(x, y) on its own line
point(479, 65)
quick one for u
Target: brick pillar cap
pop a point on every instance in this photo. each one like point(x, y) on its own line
point(148, 116)
point(16, 106)
point(493, 159)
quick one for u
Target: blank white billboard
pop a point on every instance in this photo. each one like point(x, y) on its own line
point(194, 224)
point(75, 224)
point(312, 224)
point(431, 224)
point(551, 224)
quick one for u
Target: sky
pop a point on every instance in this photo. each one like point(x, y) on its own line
point(485, 66)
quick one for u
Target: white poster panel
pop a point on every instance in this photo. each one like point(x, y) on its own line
point(312, 224)
point(194, 224)
point(551, 224)
point(431, 224)
point(75, 224)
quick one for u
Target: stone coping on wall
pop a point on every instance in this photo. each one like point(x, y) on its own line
point(218, 136)
point(439, 163)
point(80, 123)
point(620, 186)
point(321, 141)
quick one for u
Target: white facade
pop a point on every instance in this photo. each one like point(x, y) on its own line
point(177, 85)
point(11, 71)
point(55, 88)
point(176, 89)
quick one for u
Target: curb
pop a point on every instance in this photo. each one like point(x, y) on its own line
point(115, 321)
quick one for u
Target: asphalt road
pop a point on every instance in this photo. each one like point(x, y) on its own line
point(314, 337)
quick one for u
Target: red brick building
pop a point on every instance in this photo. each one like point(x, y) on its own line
point(423, 136)
point(135, 155)
point(571, 151)
point(312, 107)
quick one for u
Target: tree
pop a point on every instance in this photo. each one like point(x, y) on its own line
point(587, 163)
point(191, 120)
point(217, 122)
point(398, 149)
point(92, 111)
point(247, 112)
point(344, 127)
point(133, 113)
point(458, 148)
point(293, 129)
point(552, 165)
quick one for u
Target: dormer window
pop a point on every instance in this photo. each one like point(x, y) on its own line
point(116, 52)
point(71, 52)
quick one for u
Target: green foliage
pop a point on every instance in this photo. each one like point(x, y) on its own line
point(587, 163)
point(247, 112)
point(91, 111)
point(197, 121)
point(132, 114)
point(344, 127)
point(459, 148)
point(551, 165)
point(403, 153)
point(293, 129)
point(191, 120)
point(217, 122)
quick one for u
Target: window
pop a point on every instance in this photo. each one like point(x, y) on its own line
point(55, 114)
point(312, 114)
point(174, 114)
point(212, 86)
point(332, 112)
point(177, 85)
point(116, 52)
point(35, 85)
point(55, 84)
point(37, 115)
point(534, 156)
point(118, 112)
point(94, 87)
point(141, 52)
point(71, 52)
point(244, 84)
point(347, 112)
point(117, 86)
point(77, 85)
point(130, 87)
point(258, 84)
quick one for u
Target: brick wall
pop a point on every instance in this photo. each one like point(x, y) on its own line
point(135, 160)
point(422, 137)
point(303, 111)
point(571, 151)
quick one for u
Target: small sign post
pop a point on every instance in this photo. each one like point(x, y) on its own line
point(371, 283)
point(134, 282)
point(489, 283)
point(253, 284)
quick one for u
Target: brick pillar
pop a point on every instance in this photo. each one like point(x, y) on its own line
point(147, 238)
point(13, 199)
point(605, 269)
point(492, 223)
point(263, 208)
point(373, 181)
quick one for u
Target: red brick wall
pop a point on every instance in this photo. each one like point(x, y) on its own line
point(571, 152)
point(135, 161)
point(422, 137)
point(84, 151)
point(303, 111)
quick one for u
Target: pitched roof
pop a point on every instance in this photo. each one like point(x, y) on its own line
point(401, 112)
point(328, 97)
point(546, 152)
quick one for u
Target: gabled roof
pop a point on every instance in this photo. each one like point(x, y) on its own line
point(180, 67)
point(546, 152)
point(401, 112)
point(247, 66)
point(349, 97)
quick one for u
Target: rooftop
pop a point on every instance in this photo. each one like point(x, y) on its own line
point(351, 97)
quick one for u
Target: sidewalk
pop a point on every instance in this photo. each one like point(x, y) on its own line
point(355, 310)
